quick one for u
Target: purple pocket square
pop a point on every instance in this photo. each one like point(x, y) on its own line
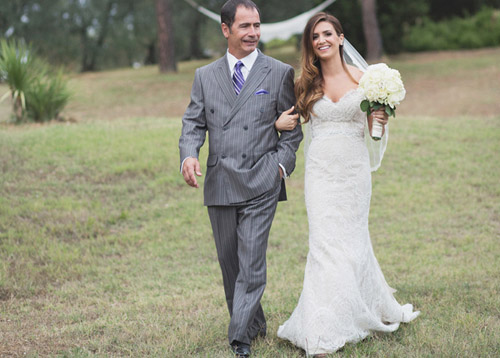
point(262, 91)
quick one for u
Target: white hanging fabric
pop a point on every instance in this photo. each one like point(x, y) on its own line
point(282, 30)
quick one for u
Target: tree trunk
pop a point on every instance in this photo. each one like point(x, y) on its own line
point(85, 48)
point(18, 109)
point(150, 58)
point(195, 47)
point(102, 35)
point(166, 48)
point(371, 30)
point(90, 53)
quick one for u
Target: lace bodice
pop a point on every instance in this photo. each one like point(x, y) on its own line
point(343, 117)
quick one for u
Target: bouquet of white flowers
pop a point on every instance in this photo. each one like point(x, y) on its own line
point(382, 87)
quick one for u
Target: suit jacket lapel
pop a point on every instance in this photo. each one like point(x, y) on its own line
point(224, 79)
point(259, 71)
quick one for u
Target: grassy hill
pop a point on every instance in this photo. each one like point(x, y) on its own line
point(105, 252)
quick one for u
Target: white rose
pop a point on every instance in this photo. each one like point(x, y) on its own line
point(381, 93)
point(393, 85)
point(396, 98)
point(378, 67)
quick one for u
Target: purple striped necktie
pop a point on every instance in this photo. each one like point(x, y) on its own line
point(238, 79)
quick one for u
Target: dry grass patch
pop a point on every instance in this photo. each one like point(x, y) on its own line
point(450, 84)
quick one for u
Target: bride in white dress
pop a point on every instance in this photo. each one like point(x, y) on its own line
point(345, 295)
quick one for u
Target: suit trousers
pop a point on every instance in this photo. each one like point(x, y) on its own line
point(241, 234)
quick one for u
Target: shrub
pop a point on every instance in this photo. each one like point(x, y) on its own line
point(480, 30)
point(46, 97)
point(37, 93)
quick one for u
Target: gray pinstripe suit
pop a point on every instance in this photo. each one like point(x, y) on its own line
point(242, 183)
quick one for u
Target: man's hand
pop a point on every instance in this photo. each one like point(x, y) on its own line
point(189, 169)
point(281, 173)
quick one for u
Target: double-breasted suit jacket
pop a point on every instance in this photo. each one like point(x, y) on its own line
point(245, 150)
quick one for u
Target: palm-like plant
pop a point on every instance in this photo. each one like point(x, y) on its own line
point(37, 92)
point(16, 69)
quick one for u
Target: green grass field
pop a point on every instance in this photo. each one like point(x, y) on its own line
point(105, 252)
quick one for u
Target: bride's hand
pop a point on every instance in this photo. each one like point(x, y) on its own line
point(287, 121)
point(380, 116)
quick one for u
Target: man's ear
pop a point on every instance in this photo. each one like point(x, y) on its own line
point(225, 30)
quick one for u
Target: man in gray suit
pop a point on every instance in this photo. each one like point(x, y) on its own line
point(237, 99)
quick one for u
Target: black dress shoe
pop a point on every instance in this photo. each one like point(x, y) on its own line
point(241, 350)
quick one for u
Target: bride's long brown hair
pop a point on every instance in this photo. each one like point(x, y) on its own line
point(308, 87)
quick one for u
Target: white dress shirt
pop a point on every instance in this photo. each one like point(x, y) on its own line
point(248, 62)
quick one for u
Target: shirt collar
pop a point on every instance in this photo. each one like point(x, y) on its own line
point(248, 61)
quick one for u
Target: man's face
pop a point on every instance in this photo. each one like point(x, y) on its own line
point(243, 36)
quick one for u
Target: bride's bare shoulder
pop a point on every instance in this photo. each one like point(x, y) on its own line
point(355, 72)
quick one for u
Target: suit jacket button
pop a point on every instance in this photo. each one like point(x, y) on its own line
point(211, 111)
point(262, 110)
point(245, 127)
point(243, 155)
point(223, 156)
point(225, 128)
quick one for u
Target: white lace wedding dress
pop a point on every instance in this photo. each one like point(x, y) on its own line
point(345, 295)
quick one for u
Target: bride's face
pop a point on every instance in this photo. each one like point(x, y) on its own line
point(326, 42)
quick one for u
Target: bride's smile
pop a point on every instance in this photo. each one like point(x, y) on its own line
point(326, 42)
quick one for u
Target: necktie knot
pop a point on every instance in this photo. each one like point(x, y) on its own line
point(238, 79)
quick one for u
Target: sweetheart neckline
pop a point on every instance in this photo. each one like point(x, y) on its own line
point(343, 96)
